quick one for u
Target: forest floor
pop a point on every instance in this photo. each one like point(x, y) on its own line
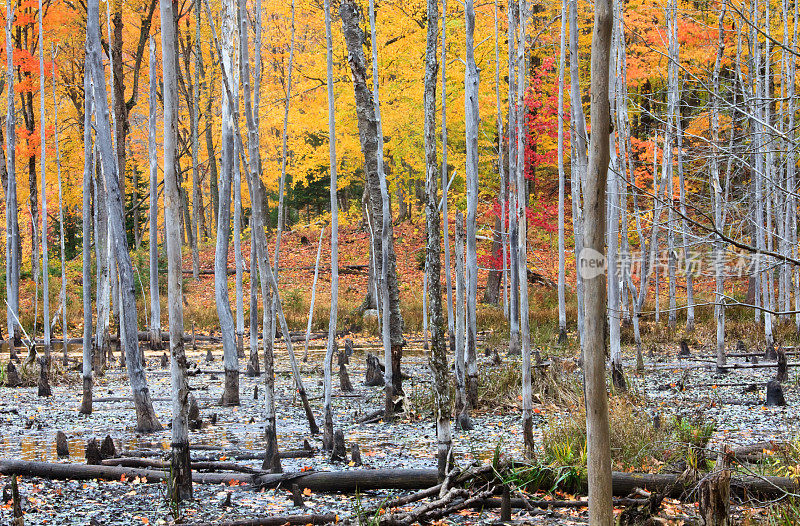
point(28, 425)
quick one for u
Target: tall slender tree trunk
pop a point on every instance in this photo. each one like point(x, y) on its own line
point(445, 184)
point(514, 344)
point(471, 131)
point(521, 203)
point(578, 157)
point(719, 245)
point(86, 371)
point(12, 211)
point(181, 472)
point(462, 404)
point(438, 356)
point(612, 192)
point(368, 122)
point(332, 166)
point(145, 416)
point(44, 376)
point(197, 196)
point(562, 275)
point(313, 295)
point(155, 299)
point(231, 362)
point(601, 511)
point(63, 293)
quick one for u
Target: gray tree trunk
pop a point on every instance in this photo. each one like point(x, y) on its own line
point(601, 511)
point(521, 203)
point(513, 304)
point(63, 293)
point(378, 193)
point(313, 295)
point(181, 474)
point(438, 356)
point(445, 185)
point(719, 245)
point(155, 300)
point(562, 276)
point(328, 365)
point(230, 358)
point(12, 211)
point(462, 404)
point(194, 123)
point(145, 416)
point(44, 376)
point(86, 290)
point(471, 130)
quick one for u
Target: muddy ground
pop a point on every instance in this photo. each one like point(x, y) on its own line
point(28, 425)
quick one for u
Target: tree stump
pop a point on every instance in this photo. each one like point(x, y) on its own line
point(255, 392)
point(684, 352)
point(194, 409)
point(355, 454)
point(62, 447)
point(783, 371)
point(344, 378)
point(93, 457)
point(775, 394)
point(209, 356)
point(714, 497)
point(164, 361)
point(107, 448)
point(741, 347)
point(44, 381)
point(374, 375)
point(12, 376)
point(297, 496)
point(12, 351)
point(339, 452)
point(771, 353)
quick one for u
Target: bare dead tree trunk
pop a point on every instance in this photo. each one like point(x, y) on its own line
point(181, 474)
point(471, 131)
point(438, 356)
point(44, 376)
point(379, 202)
point(155, 300)
point(12, 211)
point(596, 397)
point(63, 293)
point(86, 371)
point(231, 362)
point(327, 440)
point(145, 416)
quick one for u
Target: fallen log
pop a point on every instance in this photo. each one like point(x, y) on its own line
point(134, 462)
point(214, 455)
point(279, 520)
point(374, 479)
point(352, 480)
point(54, 471)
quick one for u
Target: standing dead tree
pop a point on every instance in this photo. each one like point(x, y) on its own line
point(146, 420)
